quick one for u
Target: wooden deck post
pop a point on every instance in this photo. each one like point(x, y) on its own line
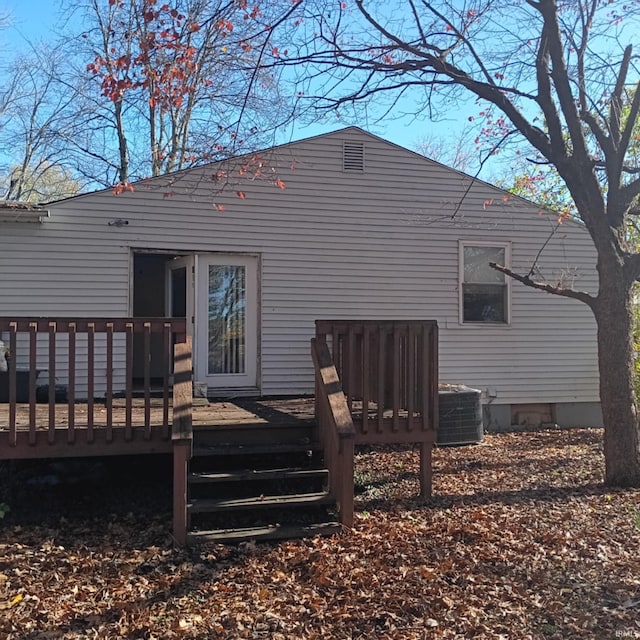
point(182, 391)
point(426, 469)
point(181, 456)
point(345, 497)
point(181, 435)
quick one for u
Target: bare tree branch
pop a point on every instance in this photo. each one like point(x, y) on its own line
point(557, 290)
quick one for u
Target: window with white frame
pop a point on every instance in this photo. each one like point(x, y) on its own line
point(484, 291)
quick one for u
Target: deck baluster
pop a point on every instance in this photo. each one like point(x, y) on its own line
point(109, 392)
point(33, 374)
point(91, 367)
point(366, 364)
point(13, 352)
point(396, 358)
point(410, 375)
point(147, 380)
point(51, 381)
point(71, 389)
point(382, 342)
point(166, 359)
point(129, 380)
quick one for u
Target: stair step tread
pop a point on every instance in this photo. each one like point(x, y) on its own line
point(274, 532)
point(239, 449)
point(208, 505)
point(234, 424)
point(256, 474)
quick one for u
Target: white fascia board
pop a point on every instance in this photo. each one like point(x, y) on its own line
point(24, 215)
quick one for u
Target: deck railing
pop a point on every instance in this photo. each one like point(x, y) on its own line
point(90, 384)
point(389, 375)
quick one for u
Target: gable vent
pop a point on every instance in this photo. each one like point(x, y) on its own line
point(353, 156)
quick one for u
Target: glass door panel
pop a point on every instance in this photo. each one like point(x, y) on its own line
point(228, 302)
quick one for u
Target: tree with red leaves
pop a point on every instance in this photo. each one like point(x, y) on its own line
point(180, 82)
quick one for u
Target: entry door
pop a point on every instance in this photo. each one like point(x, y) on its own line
point(227, 321)
point(180, 290)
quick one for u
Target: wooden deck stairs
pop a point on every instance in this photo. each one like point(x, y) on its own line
point(258, 482)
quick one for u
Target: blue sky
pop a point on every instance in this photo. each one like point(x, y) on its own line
point(31, 20)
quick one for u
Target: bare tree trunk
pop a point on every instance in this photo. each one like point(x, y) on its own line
point(154, 144)
point(614, 317)
point(123, 169)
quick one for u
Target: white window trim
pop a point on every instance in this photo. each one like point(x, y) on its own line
point(507, 254)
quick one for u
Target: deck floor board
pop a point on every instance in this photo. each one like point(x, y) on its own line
point(289, 411)
point(139, 438)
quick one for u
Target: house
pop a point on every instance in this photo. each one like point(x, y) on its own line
point(342, 225)
point(341, 266)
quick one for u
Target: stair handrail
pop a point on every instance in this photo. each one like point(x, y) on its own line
point(336, 429)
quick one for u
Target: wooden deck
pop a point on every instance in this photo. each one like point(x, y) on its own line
point(375, 382)
point(147, 432)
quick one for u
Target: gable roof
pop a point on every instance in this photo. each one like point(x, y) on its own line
point(274, 149)
point(345, 131)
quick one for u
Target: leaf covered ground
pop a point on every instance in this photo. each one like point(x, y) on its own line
point(520, 541)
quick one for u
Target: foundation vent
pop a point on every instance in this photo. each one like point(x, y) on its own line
point(353, 156)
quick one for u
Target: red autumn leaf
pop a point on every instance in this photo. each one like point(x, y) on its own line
point(121, 187)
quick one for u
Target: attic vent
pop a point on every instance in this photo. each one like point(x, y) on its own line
point(353, 156)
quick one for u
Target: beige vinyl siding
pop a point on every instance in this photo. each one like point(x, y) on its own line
point(378, 244)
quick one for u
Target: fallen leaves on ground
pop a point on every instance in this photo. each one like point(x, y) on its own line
point(520, 541)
